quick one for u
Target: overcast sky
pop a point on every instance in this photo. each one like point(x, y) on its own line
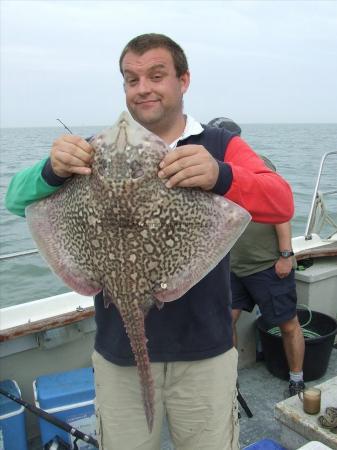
point(253, 61)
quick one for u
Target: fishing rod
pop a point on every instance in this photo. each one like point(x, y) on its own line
point(53, 420)
point(65, 126)
point(243, 404)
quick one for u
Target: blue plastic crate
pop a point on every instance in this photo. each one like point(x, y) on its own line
point(12, 419)
point(265, 444)
point(70, 397)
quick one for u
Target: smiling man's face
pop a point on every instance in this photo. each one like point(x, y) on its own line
point(153, 91)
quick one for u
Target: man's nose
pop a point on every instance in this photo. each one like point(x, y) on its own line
point(144, 86)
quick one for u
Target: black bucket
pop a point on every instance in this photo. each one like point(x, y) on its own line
point(317, 349)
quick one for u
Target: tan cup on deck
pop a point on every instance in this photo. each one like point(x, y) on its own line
point(311, 399)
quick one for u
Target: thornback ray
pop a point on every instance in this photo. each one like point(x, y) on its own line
point(121, 230)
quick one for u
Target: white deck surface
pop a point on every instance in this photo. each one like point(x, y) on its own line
point(24, 313)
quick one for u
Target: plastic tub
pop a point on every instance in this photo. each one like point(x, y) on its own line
point(317, 349)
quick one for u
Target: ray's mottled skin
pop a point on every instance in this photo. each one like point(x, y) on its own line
point(121, 230)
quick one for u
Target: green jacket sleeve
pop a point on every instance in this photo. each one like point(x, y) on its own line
point(27, 187)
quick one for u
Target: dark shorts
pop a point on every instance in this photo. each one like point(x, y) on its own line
point(275, 297)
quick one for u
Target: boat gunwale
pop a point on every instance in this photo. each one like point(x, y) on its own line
point(315, 253)
point(41, 325)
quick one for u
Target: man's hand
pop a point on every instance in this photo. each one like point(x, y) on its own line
point(70, 155)
point(189, 166)
point(283, 267)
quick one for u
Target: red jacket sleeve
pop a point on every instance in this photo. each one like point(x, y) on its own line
point(264, 193)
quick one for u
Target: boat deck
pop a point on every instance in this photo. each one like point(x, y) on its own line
point(261, 391)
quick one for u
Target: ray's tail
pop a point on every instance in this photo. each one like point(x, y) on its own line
point(134, 324)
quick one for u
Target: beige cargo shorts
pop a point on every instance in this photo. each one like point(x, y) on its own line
point(198, 399)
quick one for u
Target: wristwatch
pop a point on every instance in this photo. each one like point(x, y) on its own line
point(286, 253)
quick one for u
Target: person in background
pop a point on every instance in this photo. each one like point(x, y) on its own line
point(262, 273)
point(190, 344)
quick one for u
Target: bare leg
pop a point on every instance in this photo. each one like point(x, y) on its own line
point(293, 343)
point(235, 317)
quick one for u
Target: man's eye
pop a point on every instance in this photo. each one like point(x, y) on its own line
point(157, 77)
point(131, 81)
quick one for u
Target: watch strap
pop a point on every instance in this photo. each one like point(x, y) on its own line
point(286, 253)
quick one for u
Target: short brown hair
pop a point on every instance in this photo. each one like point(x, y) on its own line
point(144, 42)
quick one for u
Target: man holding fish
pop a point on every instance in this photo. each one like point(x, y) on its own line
point(190, 347)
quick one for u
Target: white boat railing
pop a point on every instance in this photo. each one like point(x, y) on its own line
point(317, 200)
point(16, 254)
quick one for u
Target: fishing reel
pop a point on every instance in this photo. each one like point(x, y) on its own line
point(58, 444)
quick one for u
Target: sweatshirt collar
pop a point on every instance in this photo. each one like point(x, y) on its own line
point(192, 127)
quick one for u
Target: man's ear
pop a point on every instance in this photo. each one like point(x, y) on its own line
point(185, 81)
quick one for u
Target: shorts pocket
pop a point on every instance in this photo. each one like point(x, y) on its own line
point(99, 429)
point(236, 425)
point(283, 297)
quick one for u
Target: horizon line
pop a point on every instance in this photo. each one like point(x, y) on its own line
point(241, 124)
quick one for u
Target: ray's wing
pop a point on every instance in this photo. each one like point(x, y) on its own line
point(58, 228)
point(205, 227)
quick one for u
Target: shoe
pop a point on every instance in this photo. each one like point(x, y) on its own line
point(294, 388)
point(331, 411)
point(327, 421)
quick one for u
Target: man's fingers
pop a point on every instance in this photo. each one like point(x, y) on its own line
point(78, 142)
point(191, 182)
point(189, 162)
point(178, 153)
point(179, 165)
point(80, 170)
point(73, 155)
point(184, 175)
point(70, 152)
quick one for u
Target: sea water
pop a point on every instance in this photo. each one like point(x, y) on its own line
point(295, 149)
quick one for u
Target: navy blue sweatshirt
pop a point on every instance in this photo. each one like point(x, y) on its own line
point(194, 327)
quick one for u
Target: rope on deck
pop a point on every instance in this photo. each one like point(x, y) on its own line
point(307, 334)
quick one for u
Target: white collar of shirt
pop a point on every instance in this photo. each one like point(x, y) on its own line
point(192, 127)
